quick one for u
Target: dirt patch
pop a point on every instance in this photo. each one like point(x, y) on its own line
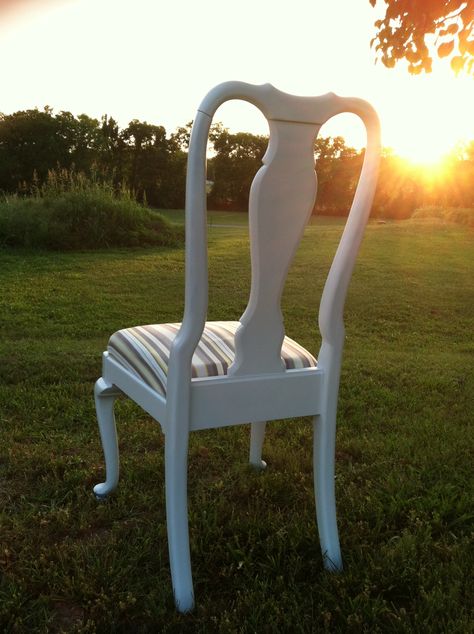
point(67, 617)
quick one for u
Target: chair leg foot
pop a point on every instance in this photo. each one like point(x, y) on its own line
point(324, 472)
point(102, 491)
point(257, 436)
point(105, 396)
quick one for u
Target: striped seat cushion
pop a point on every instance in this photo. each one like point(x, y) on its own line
point(144, 351)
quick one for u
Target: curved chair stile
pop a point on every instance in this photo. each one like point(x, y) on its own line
point(256, 373)
point(331, 325)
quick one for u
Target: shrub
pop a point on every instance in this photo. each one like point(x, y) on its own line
point(70, 212)
point(459, 215)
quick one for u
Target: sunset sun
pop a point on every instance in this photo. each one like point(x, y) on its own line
point(435, 117)
point(428, 152)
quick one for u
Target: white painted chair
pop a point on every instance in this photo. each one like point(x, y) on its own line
point(198, 375)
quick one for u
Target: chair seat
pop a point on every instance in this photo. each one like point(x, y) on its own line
point(144, 351)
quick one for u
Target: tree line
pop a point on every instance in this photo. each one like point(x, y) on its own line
point(140, 156)
point(152, 164)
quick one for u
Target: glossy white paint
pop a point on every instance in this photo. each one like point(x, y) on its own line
point(257, 387)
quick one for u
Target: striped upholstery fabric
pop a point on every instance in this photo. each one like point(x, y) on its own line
point(144, 351)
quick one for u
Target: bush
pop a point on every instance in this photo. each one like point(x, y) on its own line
point(459, 215)
point(71, 212)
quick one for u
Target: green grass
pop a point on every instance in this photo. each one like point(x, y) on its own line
point(405, 448)
point(235, 219)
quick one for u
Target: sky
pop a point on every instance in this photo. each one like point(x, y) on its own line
point(154, 60)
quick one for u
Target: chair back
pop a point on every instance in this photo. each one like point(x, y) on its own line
point(282, 197)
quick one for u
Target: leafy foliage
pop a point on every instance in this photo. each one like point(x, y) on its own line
point(415, 31)
point(237, 158)
point(33, 142)
point(337, 168)
point(152, 165)
point(402, 186)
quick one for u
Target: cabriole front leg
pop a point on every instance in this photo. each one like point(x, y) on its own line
point(105, 396)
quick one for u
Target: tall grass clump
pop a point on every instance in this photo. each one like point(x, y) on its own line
point(72, 212)
point(458, 215)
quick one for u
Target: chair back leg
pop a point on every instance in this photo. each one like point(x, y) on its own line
point(176, 467)
point(324, 487)
point(257, 436)
point(105, 396)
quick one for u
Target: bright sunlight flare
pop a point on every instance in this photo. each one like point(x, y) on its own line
point(435, 117)
point(429, 152)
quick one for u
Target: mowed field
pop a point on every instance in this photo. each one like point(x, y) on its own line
point(405, 447)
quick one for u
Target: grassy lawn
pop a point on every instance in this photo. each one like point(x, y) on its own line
point(405, 448)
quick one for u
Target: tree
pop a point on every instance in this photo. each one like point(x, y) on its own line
point(147, 150)
point(155, 165)
point(239, 156)
point(31, 143)
point(337, 168)
point(416, 30)
point(400, 189)
point(182, 136)
point(83, 139)
point(237, 159)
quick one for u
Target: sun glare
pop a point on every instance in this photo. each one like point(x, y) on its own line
point(428, 140)
point(430, 117)
point(431, 156)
